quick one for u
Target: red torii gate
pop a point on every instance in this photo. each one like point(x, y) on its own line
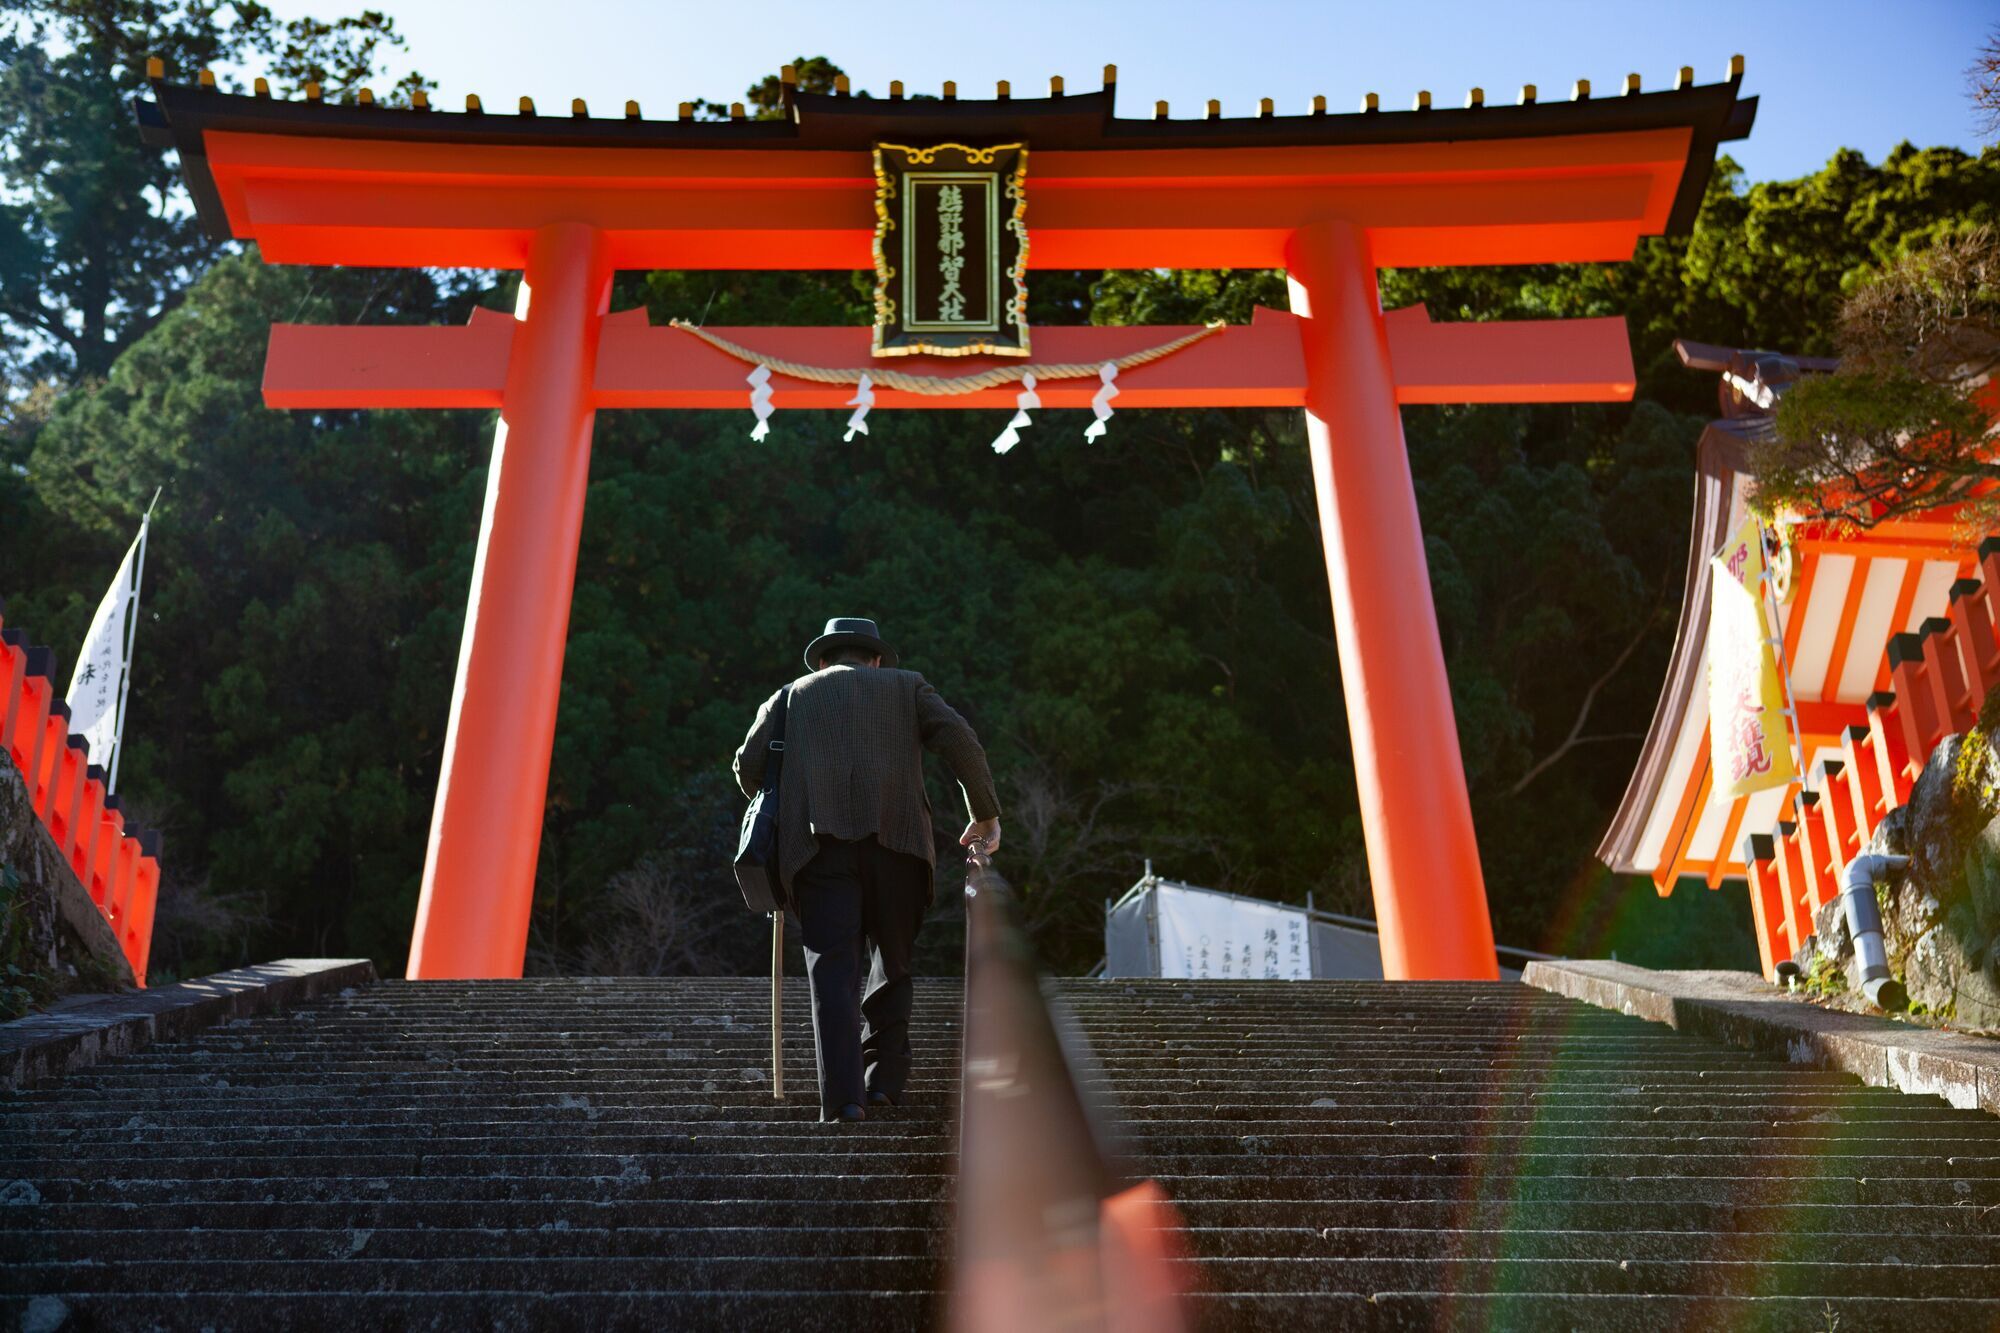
point(568, 200)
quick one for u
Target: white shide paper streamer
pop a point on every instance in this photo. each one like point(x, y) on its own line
point(760, 400)
point(1101, 404)
point(863, 399)
point(1024, 402)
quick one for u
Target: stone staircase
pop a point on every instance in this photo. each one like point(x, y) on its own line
point(534, 1154)
point(1432, 1155)
point(578, 1153)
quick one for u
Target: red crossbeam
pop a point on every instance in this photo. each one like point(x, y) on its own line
point(318, 365)
point(1259, 364)
point(1509, 361)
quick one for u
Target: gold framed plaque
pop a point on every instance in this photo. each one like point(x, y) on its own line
point(951, 250)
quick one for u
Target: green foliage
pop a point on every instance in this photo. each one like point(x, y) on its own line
point(96, 239)
point(342, 57)
point(1872, 408)
point(1896, 429)
point(1767, 264)
point(766, 97)
point(1859, 446)
point(304, 586)
point(1975, 800)
point(88, 258)
point(1942, 1014)
point(1601, 915)
point(1825, 977)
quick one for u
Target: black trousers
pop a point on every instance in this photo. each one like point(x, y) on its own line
point(859, 900)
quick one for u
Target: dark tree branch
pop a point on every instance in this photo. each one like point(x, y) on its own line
point(1576, 736)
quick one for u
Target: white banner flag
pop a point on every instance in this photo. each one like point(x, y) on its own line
point(97, 688)
point(1213, 935)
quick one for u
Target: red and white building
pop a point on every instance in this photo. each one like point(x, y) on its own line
point(1889, 645)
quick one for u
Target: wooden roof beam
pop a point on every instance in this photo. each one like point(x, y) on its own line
point(1484, 202)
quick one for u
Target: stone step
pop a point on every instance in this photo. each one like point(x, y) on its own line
point(830, 1159)
point(552, 1120)
point(819, 1155)
point(738, 1094)
point(551, 1240)
point(1770, 1276)
point(555, 1153)
point(812, 1274)
point(670, 1191)
point(1269, 1180)
point(779, 1311)
point(443, 1082)
point(1804, 1220)
point(1979, 1172)
point(1507, 1141)
point(446, 1083)
point(642, 1180)
point(1402, 1311)
point(548, 1240)
point(1513, 1242)
point(1313, 1129)
point(1834, 1222)
point(596, 1211)
point(797, 1129)
point(1835, 1108)
point(806, 1275)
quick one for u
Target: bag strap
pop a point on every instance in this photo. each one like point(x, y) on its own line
point(777, 742)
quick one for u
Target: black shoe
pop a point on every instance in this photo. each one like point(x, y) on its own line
point(849, 1114)
point(880, 1099)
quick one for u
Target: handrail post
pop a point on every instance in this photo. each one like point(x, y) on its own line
point(778, 1005)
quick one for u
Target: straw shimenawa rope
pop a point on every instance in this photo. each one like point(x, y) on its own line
point(943, 385)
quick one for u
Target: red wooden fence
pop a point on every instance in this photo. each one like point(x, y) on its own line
point(1939, 676)
point(117, 862)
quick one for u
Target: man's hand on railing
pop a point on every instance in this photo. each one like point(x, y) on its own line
point(982, 835)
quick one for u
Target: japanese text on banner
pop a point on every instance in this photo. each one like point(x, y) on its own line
point(1749, 737)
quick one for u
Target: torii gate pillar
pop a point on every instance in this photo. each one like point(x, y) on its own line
point(486, 830)
point(1423, 860)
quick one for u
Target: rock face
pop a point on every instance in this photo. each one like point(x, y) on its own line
point(60, 927)
point(30, 858)
point(1941, 920)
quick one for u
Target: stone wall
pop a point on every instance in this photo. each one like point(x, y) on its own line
point(54, 933)
point(1941, 920)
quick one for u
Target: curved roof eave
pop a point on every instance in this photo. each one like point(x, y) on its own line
point(178, 116)
point(1720, 459)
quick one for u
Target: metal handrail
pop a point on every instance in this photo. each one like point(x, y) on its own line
point(1051, 1230)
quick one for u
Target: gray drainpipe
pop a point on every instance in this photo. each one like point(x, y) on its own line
point(1864, 922)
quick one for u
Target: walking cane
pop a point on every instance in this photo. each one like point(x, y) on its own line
point(778, 1005)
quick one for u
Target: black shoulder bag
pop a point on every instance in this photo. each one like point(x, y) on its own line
point(757, 844)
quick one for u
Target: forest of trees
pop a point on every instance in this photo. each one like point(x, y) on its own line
point(1138, 626)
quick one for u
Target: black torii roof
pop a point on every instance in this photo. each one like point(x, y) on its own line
point(178, 115)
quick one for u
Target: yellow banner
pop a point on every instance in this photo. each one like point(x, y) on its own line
point(1749, 741)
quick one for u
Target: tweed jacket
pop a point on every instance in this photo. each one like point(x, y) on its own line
point(854, 743)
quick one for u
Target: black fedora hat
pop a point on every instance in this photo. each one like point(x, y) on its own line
point(848, 632)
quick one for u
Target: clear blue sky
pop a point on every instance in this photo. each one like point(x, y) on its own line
point(1858, 73)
